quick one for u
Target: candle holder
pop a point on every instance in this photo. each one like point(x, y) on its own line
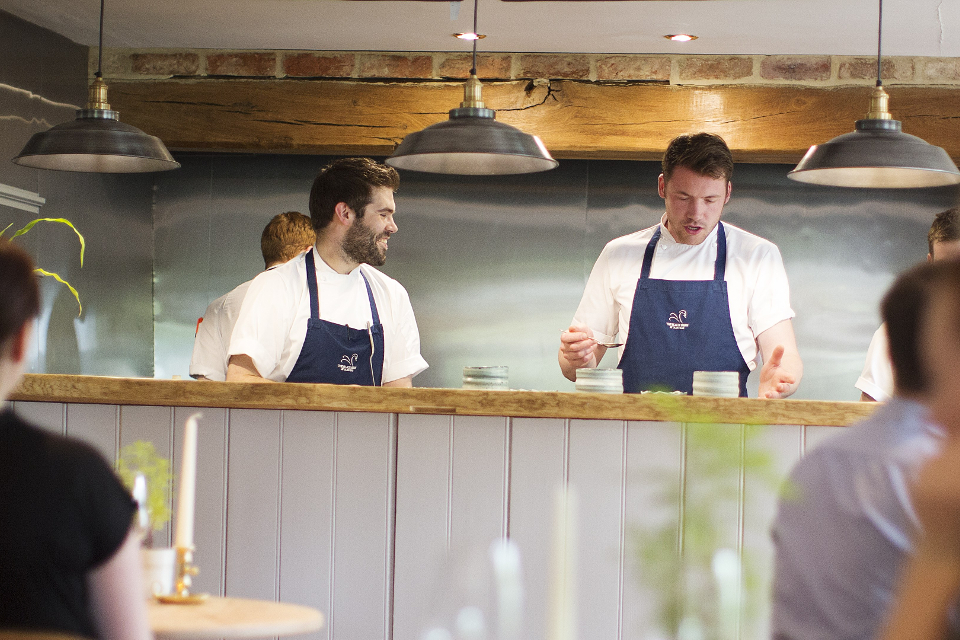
point(185, 570)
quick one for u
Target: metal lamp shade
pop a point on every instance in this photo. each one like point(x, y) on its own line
point(878, 155)
point(472, 142)
point(96, 142)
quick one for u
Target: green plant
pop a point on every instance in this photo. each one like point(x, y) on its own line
point(44, 272)
point(676, 555)
point(141, 457)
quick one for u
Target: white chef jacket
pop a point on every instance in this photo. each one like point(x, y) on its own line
point(209, 357)
point(757, 288)
point(272, 323)
point(877, 378)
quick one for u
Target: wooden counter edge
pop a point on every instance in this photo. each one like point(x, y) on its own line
point(517, 404)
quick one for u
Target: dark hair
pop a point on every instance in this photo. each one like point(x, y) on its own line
point(285, 236)
point(903, 309)
point(704, 153)
point(19, 292)
point(948, 290)
point(348, 180)
point(945, 227)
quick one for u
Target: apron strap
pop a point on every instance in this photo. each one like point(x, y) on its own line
point(312, 287)
point(720, 266)
point(648, 254)
point(373, 305)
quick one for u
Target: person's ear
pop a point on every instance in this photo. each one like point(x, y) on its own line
point(662, 186)
point(343, 213)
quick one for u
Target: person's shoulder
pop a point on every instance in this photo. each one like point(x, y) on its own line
point(875, 437)
point(749, 244)
point(235, 295)
point(51, 449)
point(374, 275)
point(745, 237)
point(287, 277)
point(630, 243)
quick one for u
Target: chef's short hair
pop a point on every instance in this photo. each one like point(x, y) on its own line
point(945, 227)
point(903, 309)
point(704, 153)
point(285, 237)
point(19, 292)
point(348, 180)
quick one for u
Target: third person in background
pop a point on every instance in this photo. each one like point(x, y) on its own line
point(286, 236)
point(876, 381)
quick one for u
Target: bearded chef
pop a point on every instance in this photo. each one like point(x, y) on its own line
point(690, 293)
point(329, 315)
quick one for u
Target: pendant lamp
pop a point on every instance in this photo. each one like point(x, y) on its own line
point(96, 141)
point(877, 154)
point(472, 142)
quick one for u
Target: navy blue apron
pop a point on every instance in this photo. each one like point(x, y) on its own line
point(678, 327)
point(335, 353)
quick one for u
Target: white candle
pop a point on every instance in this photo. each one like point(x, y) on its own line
point(562, 612)
point(505, 556)
point(188, 484)
point(726, 573)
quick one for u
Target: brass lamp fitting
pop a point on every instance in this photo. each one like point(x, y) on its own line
point(879, 108)
point(98, 95)
point(471, 94)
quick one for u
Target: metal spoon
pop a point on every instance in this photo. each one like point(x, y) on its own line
point(608, 345)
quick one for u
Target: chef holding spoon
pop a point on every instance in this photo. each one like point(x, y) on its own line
point(690, 293)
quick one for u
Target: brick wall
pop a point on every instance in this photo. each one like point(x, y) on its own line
point(666, 69)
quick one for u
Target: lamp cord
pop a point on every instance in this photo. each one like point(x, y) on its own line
point(473, 69)
point(879, 41)
point(99, 73)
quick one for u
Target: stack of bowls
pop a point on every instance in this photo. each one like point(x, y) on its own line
point(719, 384)
point(600, 380)
point(486, 378)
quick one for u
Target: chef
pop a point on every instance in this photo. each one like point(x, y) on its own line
point(690, 293)
point(328, 315)
point(876, 381)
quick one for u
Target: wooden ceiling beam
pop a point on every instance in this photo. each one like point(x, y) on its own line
point(575, 119)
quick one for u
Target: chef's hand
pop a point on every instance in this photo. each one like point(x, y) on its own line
point(775, 381)
point(782, 367)
point(578, 349)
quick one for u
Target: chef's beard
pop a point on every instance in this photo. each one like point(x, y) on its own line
point(360, 245)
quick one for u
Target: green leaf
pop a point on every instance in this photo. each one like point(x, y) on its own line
point(5, 229)
point(30, 225)
point(142, 457)
point(56, 277)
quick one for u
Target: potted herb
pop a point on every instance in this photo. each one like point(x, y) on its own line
point(147, 475)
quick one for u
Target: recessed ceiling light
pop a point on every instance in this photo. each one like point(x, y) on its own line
point(469, 36)
point(680, 37)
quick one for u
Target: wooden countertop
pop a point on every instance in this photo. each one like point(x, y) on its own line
point(521, 404)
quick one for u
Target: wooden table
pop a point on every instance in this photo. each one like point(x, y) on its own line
point(231, 618)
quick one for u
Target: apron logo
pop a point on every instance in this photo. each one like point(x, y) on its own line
point(348, 363)
point(676, 320)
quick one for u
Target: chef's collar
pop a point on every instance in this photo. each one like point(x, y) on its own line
point(667, 238)
point(327, 270)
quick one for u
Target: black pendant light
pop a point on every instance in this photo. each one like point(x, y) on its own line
point(96, 141)
point(878, 154)
point(472, 142)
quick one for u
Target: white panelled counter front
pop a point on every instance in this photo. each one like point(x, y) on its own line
point(347, 499)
